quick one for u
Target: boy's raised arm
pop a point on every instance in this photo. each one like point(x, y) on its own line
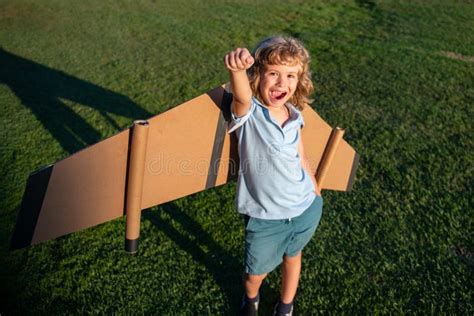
point(237, 62)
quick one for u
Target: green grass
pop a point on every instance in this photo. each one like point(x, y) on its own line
point(397, 75)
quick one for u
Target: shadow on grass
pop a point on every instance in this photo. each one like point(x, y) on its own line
point(223, 266)
point(42, 89)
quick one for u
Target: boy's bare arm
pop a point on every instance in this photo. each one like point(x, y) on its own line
point(237, 62)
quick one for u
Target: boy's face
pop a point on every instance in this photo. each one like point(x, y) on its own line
point(278, 83)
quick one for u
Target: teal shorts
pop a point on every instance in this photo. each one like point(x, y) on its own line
point(267, 241)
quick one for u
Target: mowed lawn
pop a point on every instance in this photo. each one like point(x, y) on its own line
point(397, 75)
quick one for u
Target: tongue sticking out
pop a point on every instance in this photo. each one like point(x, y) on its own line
point(278, 94)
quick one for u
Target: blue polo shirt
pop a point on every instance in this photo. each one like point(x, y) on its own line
point(272, 183)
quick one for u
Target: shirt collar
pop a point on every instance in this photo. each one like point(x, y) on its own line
point(294, 113)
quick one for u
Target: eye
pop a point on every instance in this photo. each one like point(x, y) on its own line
point(273, 74)
point(292, 76)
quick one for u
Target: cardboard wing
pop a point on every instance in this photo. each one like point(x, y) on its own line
point(177, 153)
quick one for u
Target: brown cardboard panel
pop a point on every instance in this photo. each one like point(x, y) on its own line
point(315, 135)
point(180, 151)
point(342, 169)
point(85, 189)
point(188, 150)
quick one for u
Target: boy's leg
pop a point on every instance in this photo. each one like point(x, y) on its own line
point(252, 284)
point(290, 277)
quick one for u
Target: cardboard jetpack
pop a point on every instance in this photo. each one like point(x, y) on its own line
point(180, 152)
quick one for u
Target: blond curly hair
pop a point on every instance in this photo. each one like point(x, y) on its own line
point(277, 50)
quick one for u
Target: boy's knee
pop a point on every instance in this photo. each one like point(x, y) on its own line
point(255, 278)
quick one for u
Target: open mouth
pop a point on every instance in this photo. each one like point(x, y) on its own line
point(278, 95)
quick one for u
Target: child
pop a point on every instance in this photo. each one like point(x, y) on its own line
point(276, 190)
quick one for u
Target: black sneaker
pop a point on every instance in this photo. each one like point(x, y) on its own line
point(278, 313)
point(248, 308)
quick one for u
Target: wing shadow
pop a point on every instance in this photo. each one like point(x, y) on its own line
point(42, 90)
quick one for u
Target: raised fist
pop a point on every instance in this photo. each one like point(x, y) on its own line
point(239, 59)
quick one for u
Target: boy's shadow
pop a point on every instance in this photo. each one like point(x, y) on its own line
point(42, 89)
point(225, 267)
